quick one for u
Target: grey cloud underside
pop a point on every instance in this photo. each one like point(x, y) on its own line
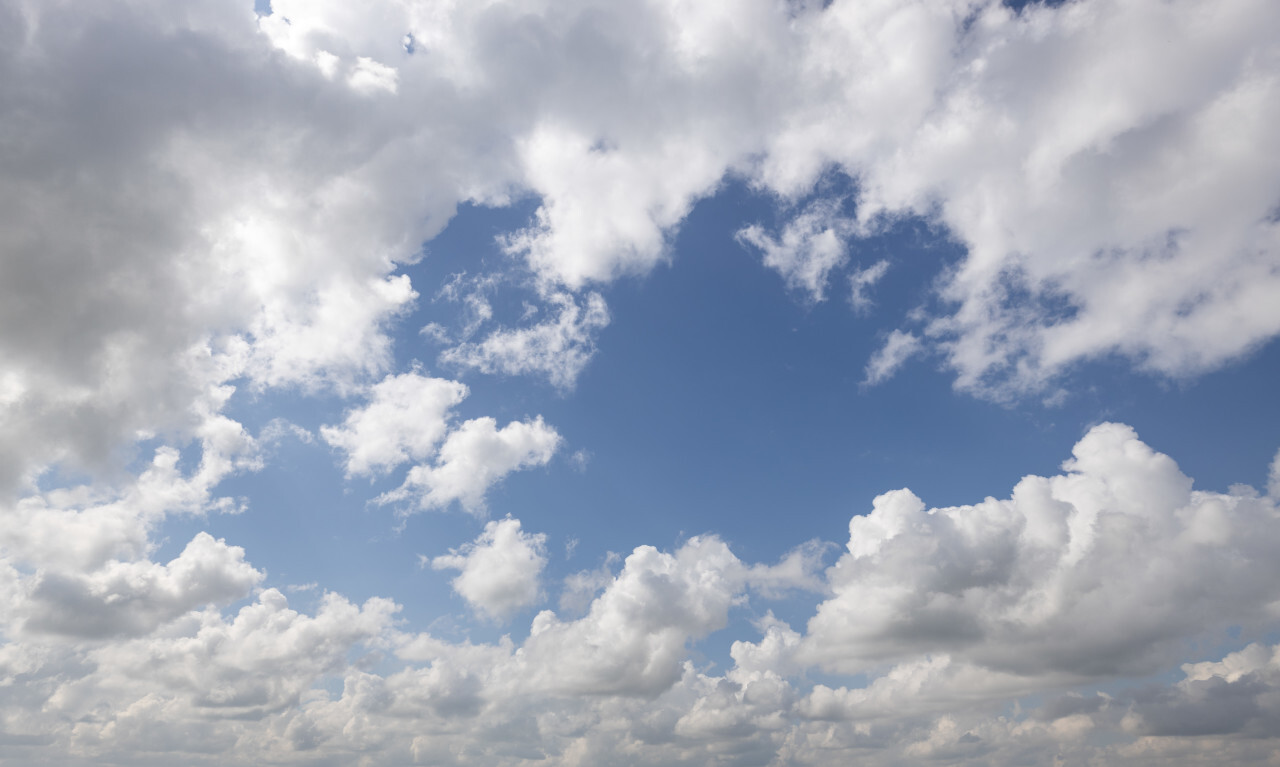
point(194, 198)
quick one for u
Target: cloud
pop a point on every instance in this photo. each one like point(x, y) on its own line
point(633, 638)
point(405, 419)
point(500, 571)
point(1101, 571)
point(1108, 203)
point(957, 622)
point(812, 244)
point(899, 347)
point(408, 418)
point(558, 348)
point(861, 281)
point(1273, 478)
point(198, 199)
point(475, 456)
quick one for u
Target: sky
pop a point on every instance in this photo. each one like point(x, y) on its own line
point(656, 382)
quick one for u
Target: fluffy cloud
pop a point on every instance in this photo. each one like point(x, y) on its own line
point(1117, 196)
point(405, 419)
point(500, 571)
point(196, 198)
point(1100, 571)
point(475, 456)
point(966, 610)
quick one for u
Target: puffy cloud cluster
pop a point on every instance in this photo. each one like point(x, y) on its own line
point(224, 196)
point(407, 418)
point(194, 197)
point(1097, 572)
point(1103, 572)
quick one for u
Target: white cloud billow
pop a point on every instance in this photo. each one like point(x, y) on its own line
point(1106, 570)
point(409, 418)
point(406, 418)
point(500, 572)
point(475, 456)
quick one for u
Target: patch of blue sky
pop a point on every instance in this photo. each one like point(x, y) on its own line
point(717, 402)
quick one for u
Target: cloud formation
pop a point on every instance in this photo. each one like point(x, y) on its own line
point(500, 572)
point(1102, 572)
point(198, 202)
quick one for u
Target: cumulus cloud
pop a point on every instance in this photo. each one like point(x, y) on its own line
point(132, 598)
point(1108, 203)
point(405, 419)
point(500, 572)
point(949, 615)
point(475, 456)
point(409, 418)
point(1100, 571)
point(199, 198)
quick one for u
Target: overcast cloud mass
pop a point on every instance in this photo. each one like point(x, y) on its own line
point(226, 276)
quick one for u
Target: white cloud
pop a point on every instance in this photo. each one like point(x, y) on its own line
point(408, 419)
point(899, 347)
point(500, 572)
point(558, 348)
point(633, 638)
point(1116, 195)
point(811, 246)
point(860, 281)
point(1103, 570)
point(198, 197)
point(475, 456)
point(405, 419)
point(1108, 195)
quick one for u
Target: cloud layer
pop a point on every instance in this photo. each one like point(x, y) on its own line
point(199, 203)
point(1106, 571)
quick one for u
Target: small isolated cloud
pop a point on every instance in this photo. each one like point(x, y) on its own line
point(861, 281)
point(475, 456)
point(811, 246)
point(557, 349)
point(409, 418)
point(897, 349)
point(500, 571)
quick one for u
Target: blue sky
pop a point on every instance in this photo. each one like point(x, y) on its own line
point(643, 383)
